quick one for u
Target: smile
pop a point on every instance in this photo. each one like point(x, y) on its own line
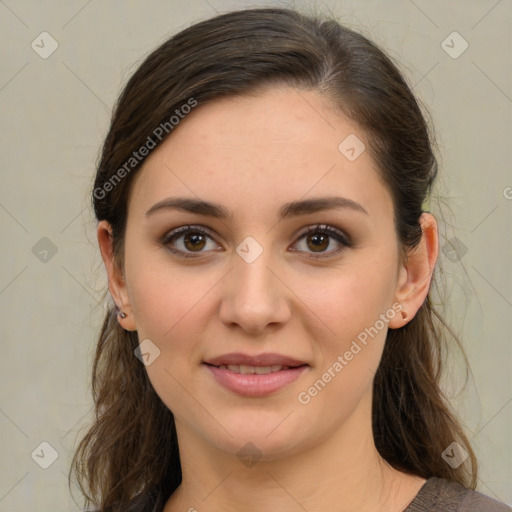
point(255, 381)
point(248, 370)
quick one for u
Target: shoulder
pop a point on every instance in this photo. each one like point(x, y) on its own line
point(438, 494)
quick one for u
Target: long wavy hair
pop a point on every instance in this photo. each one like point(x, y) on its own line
point(131, 447)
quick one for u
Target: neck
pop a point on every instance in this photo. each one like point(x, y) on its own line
point(343, 472)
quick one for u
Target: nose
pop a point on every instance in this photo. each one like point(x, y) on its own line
point(254, 297)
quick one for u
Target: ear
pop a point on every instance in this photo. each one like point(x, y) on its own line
point(415, 274)
point(116, 280)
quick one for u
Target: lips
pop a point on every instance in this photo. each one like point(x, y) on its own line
point(266, 359)
point(251, 370)
point(255, 376)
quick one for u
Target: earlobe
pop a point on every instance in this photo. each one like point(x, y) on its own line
point(416, 272)
point(116, 280)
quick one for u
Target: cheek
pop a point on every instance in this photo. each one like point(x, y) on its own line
point(349, 301)
point(170, 306)
point(349, 349)
point(164, 296)
point(354, 309)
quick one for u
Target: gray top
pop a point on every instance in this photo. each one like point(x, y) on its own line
point(436, 495)
point(440, 495)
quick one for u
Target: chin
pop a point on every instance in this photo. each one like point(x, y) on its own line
point(271, 435)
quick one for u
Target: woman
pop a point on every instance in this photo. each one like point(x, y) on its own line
point(272, 343)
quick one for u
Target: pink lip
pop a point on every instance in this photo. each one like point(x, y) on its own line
point(265, 359)
point(254, 385)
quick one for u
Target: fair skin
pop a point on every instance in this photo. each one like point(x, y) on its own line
point(251, 154)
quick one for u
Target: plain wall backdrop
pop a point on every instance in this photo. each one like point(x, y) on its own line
point(56, 94)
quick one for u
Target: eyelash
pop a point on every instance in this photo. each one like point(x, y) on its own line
point(338, 235)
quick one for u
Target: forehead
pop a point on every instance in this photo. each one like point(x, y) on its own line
point(254, 152)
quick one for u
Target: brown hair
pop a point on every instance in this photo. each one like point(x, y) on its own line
point(131, 447)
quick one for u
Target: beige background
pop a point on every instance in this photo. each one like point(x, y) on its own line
point(54, 115)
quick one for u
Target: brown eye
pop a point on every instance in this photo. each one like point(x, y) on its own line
point(318, 242)
point(318, 238)
point(187, 240)
point(190, 241)
point(194, 241)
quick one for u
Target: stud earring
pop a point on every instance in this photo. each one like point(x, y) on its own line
point(122, 314)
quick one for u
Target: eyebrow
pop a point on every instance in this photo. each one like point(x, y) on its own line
point(292, 209)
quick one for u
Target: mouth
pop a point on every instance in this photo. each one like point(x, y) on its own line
point(255, 376)
point(255, 370)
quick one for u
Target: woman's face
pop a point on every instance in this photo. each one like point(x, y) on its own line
point(254, 282)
